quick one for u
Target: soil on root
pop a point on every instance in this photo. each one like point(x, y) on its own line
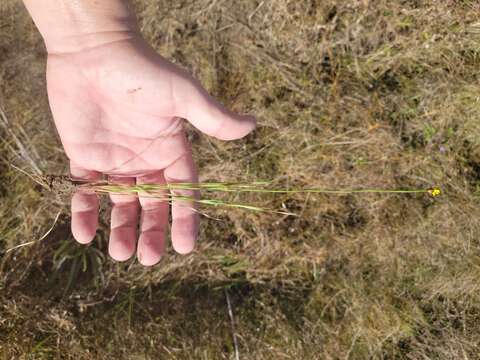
point(64, 184)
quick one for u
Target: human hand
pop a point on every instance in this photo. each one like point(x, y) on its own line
point(119, 108)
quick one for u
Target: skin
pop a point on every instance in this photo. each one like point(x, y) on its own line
point(119, 109)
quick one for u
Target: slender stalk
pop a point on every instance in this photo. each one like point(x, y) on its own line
point(239, 187)
point(168, 192)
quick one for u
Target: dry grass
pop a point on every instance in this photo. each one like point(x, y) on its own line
point(348, 94)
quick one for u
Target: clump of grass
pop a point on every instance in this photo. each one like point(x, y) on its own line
point(167, 192)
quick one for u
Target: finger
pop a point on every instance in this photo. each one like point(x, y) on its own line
point(185, 219)
point(208, 115)
point(153, 221)
point(124, 221)
point(84, 206)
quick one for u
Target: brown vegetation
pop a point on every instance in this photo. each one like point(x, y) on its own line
point(381, 94)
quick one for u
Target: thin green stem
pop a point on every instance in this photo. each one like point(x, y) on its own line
point(167, 192)
point(238, 187)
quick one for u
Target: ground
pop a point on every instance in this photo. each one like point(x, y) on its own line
point(349, 94)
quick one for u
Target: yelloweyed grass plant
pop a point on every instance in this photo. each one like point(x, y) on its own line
point(168, 192)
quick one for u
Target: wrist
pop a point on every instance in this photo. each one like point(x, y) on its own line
point(73, 25)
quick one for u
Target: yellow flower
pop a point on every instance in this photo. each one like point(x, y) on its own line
point(434, 191)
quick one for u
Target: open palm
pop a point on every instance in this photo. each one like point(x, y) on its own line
point(119, 110)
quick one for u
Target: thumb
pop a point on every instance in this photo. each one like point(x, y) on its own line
point(208, 115)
